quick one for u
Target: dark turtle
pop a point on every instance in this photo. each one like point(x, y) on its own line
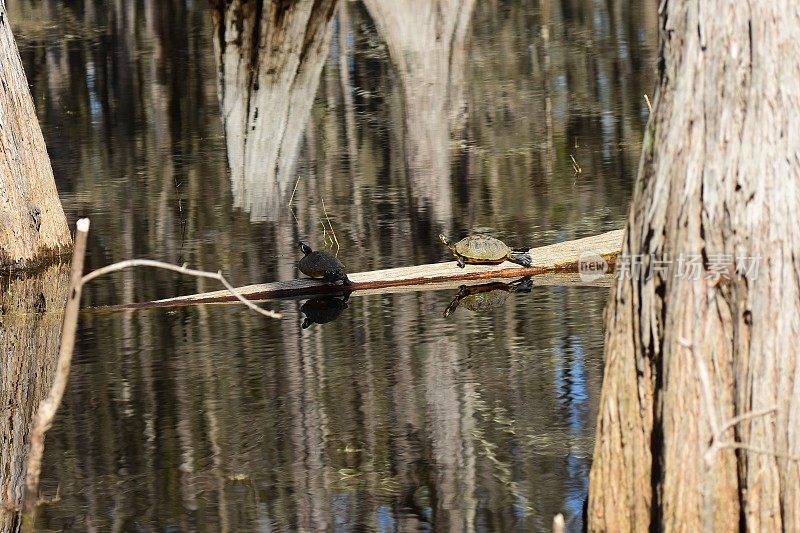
point(481, 298)
point(323, 309)
point(321, 265)
point(486, 250)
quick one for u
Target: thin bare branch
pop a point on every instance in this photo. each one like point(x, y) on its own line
point(742, 417)
point(575, 166)
point(183, 270)
point(324, 210)
point(762, 451)
point(48, 407)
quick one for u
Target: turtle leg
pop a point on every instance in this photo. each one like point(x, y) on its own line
point(521, 285)
point(460, 261)
point(333, 277)
point(520, 257)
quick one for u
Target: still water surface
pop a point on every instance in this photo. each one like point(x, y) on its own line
point(391, 417)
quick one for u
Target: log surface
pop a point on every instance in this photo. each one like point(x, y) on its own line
point(561, 257)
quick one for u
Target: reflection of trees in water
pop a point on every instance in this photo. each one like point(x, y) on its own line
point(133, 123)
point(212, 417)
point(427, 46)
point(31, 309)
point(593, 69)
point(225, 421)
point(269, 56)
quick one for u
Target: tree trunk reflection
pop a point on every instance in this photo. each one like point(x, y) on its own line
point(31, 309)
point(269, 57)
point(427, 45)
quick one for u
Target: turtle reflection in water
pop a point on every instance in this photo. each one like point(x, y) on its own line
point(481, 298)
point(323, 309)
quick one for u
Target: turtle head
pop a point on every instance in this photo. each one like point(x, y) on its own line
point(447, 243)
point(306, 249)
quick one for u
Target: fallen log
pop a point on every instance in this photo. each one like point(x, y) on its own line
point(554, 264)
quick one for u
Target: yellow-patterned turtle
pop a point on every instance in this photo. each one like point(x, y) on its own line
point(483, 249)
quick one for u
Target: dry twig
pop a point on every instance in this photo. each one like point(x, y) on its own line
point(183, 270)
point(46, 412)
point(575, 166)
point(329, 225)
point(291, 199)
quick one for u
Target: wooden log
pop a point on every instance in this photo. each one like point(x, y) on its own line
point(560, 258)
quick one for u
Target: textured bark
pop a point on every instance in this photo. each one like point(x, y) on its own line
point(427, 44)
point(719, 179)
point(31, 309)
point(33, 228)
point(270, 54)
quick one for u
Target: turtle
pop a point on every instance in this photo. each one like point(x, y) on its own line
point(481, 298)
point(321, 265)
point(323, 309)
point(485, 249)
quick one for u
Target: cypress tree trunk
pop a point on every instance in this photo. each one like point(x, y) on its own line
point(699, 424)
point(33, 228)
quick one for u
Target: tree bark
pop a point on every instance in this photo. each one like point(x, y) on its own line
point(700, 407)
point(427, 45)
point(270, 54)
point(33, 228)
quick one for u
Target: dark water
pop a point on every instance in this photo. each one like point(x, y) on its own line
point(391, 417)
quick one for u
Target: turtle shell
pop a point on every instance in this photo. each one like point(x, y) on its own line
point(482, 248)
point(483, 301)
point(318, 263)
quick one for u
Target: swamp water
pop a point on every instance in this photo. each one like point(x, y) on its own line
point(390, 417)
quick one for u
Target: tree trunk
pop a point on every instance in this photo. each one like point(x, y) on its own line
point(270, 54)
point(700, 407)
point(33, 228)
point(427, 45)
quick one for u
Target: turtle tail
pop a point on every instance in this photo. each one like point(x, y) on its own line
point(520, 257)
